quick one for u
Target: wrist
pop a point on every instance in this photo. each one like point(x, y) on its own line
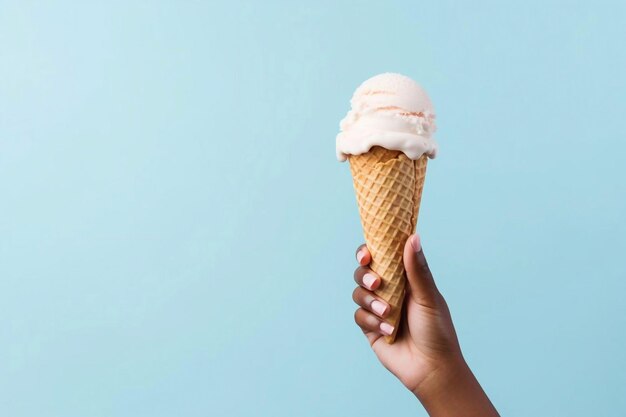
point(452, 390)
point(447, 373)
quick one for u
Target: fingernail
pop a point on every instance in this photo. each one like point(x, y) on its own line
point(369, 280)
point(386, 328)
point(378, 307)
point(416, 242)
point(359, 256)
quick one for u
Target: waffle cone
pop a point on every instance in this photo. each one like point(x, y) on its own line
point(388, 188)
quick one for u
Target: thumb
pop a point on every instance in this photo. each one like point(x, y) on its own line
point(422, 288)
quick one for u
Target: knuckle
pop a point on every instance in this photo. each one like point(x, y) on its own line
point(358, 274)
point(372, 321)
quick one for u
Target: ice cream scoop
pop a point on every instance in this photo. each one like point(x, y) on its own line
point(392, 111)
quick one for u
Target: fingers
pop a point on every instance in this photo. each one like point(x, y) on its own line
point(369, 302)
point(368, 322)
point(366, 278)
point(422, 288)
point(363, 275)
point(369, 317)
point(363, 256)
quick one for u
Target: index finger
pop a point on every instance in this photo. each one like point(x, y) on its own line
point(363, 256)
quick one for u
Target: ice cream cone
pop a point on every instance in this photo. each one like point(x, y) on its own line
point(388, 137)
point(389, 188)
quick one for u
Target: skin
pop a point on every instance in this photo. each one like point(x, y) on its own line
point(426, 356)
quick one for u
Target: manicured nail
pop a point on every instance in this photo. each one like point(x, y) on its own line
point(359, 256)
point(369, 280)
point(386, 328)
point(378, 307)
point(416, 242)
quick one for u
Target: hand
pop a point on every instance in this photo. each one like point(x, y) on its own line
point(426, 356)
point(427, 337)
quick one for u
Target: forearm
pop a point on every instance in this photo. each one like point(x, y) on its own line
point(453, 391)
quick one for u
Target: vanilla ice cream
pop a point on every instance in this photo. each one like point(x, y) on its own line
point(391, 111)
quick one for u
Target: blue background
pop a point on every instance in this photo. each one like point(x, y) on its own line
point(177, 238)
